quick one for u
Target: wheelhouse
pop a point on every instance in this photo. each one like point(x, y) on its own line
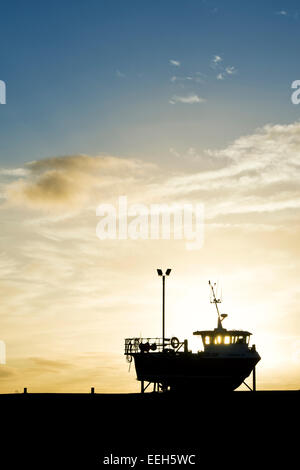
point(223, 337)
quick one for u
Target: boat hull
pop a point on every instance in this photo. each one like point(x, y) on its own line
point(199, 371)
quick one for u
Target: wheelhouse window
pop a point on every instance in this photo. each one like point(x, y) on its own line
point(241, 339)
point(218, 339)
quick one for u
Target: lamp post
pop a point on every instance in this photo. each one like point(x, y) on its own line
point(163, 275)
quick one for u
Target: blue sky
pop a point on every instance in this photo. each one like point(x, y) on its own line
point(92, 77)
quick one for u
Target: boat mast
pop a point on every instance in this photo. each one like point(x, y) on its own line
point(216, 302)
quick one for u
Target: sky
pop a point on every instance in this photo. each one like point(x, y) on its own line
point(185, 102)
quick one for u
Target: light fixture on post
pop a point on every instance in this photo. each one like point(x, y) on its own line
point(160, 273)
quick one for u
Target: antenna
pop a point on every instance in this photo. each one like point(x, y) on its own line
point(216, 301)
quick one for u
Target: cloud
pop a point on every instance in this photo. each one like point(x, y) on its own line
point(257, 173)
point(13, 172)
point(176, 63)
point(216, 59)
point(294, 15)
point(198, 77)
point(267, 160)
point(68, 182)
point(230, 70)
point(190, 153)
point(217, 64)
point(189, 99)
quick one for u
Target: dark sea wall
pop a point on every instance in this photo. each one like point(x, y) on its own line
point(93, 431)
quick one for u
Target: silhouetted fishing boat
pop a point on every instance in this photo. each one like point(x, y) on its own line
point(224, 364)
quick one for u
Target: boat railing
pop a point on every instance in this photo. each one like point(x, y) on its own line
point(148, 345)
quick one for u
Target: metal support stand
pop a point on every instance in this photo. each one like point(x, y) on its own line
point(253, 389)
point(143, 387)
point(157, 387)
point(163, 312)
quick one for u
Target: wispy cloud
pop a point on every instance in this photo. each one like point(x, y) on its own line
point(198, 77)
point(223, 70)
point(189, 99)
point(294, 15)
point(190, 155)
point(216, 62)
point(13, 172)
point(266, 161)
point(216, 59)
point(281, 12)
point(230, 70)
point(174, 62)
